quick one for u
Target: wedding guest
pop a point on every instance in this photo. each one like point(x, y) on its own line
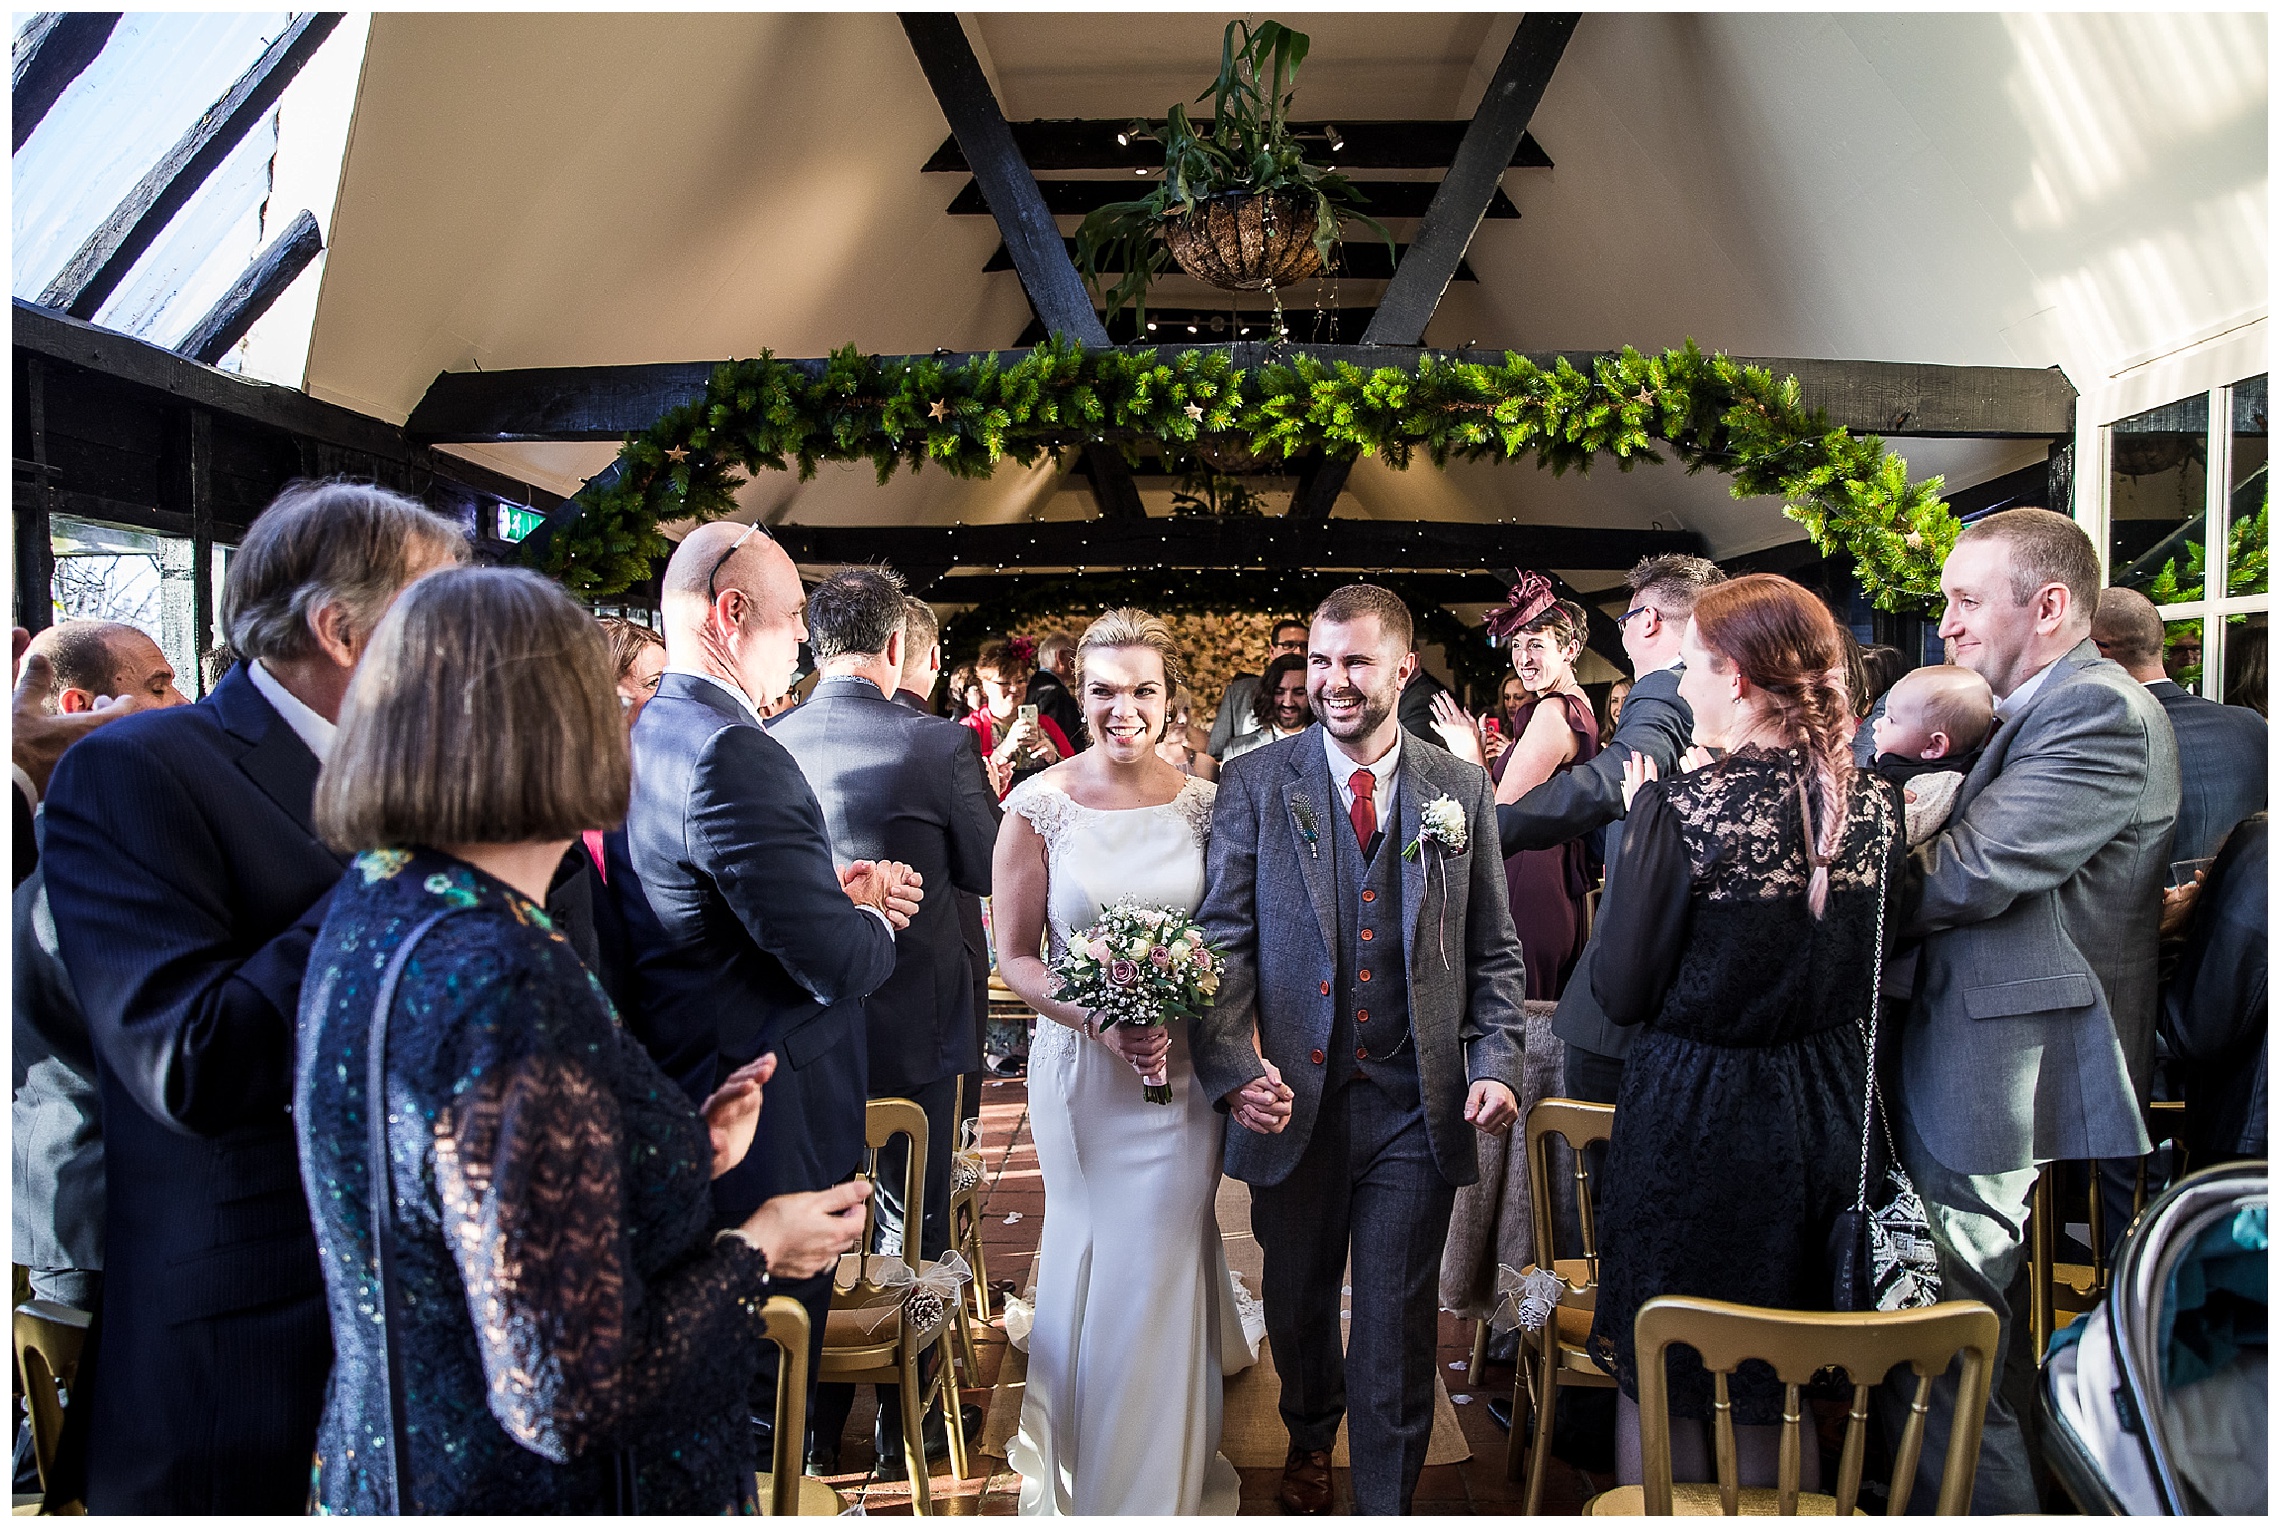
point(1279, 707)
point(921, 656)
point(572, 1337)
point(1739, 935)
point(748, 940)
point(1657, 727)
point(38, 734)
point(2221, 748)
point(2215, 1013)
point(638, 656)
point(1049, 686)
point(1181, 747)
point(1553, 731)
point(1511, 697)
point(56, 1116)
point(187, 883)
point(1238, 708)
point(1417, 701)
point(2030, 1038)
point(1928, 739)
point(1611, 710)
point(907, 788)
point(1022, 745)
point(1881, 668)
point(965, 695)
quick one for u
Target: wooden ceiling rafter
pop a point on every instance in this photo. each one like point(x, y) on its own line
point(1090, 143)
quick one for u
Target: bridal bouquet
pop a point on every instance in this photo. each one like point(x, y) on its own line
point(1139, 965)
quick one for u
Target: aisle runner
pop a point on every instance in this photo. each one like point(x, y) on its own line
point(1252, 1435)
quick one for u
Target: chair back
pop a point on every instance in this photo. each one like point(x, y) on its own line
point(1799, 1344)
point(784, 1322)
point(49, 1337)
point(883, 1120)
point(1580, 1125)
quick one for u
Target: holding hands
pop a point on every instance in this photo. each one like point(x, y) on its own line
point(1262, 1105)
point(887, 885)
point(1460, 734)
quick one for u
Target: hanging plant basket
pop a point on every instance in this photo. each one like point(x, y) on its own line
point(1239, 242)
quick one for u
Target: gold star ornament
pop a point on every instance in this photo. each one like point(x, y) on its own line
point(677, 454)
point(940, 411)
point(1194, 411)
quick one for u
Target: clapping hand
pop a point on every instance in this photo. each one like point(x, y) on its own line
point(1262, 1105)
point(1638, 772)
point(1460, 734)
point(1491, 1107)
point(733, 1112)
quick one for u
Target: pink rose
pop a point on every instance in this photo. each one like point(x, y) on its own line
point(1160, 958)
point(1123, 972)
point(1202, 958)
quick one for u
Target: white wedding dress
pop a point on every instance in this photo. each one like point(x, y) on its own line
point(1136, 1319)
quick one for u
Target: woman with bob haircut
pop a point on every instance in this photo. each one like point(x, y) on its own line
point(1741, 929)
point(537, 1316)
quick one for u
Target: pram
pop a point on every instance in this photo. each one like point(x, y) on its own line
point(2155, 1402)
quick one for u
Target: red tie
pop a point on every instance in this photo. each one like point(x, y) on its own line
point(1364, 810)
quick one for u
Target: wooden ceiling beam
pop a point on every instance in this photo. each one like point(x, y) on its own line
point(1206, 542)
point(1894, 398)
point(54, 49)
point(1090, 144)
point(1076, 198)
point(1359, 260)
point(981, 588)
point(1461, 199)
point(265, 279)
point(102, 262)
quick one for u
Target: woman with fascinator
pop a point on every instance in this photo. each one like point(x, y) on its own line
point(1551, 730)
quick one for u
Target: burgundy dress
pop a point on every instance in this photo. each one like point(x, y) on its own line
point(1548, 886)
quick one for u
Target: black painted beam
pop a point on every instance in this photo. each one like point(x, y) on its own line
point(1218, 325)
point(272, 270)
point(54, 49)
point(981, 588)
point(1075, 198)
point(1358, 260)
point(1462, 198)
point(1056, 292)
point(101, 263)
point(1898, 398)
point(1201, 542)
point(1090, 144)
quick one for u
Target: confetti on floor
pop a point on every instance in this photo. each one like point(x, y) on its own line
point(1461, 1400)
point(1013, 1218)
point(1459, 1364)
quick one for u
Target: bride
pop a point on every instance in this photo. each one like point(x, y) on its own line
point(1136, 1313)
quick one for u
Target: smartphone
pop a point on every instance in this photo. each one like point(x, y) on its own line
point(1029, 715)
point(1490, 726)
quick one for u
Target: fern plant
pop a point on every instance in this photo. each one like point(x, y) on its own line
point(1248, 150)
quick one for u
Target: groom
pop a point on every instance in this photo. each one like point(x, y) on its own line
point(1387, 996)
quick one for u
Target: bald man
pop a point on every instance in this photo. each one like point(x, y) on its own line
point(2221, 749)
point(747, 939)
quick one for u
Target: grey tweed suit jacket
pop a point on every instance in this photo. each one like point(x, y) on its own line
point(2031, 1032)
point(1272, 904)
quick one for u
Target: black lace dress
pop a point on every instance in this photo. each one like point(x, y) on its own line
point(565, 1298)
point(1737, 1130)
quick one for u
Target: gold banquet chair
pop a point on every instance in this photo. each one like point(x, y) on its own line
point(1558, 1357)
point(1799, 1344)
point(49, 1337)
point(2059, 1293)
point(967, 1180)
point(784, 1490)
point(866, 1340)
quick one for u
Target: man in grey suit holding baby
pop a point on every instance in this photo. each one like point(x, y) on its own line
point(2030, 1035)
point(1371, 991)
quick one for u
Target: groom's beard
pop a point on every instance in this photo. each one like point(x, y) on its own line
point(1375, 709)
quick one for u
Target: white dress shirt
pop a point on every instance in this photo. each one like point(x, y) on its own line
point(2015, 702)
point(309, 727)
point(1386, 769)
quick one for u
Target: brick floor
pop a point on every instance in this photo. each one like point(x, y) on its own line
point(1016, 1191)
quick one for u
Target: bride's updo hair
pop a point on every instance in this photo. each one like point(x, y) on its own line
point(1128, 627)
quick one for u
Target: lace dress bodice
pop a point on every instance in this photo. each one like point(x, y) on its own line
point(1096, 858)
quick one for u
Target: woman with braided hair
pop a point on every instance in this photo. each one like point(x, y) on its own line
point(1742, 929)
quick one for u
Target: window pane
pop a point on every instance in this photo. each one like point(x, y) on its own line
point(2246, 683)
point(2160, 500)
point(2247, 512)
point(2181, 653)
point(109, 572)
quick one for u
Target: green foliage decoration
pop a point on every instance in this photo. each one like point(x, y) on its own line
point(1848, 491)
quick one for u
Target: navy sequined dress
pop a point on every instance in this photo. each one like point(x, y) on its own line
point(565, 1300)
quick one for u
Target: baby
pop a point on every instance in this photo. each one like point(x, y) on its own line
point(1935, 721)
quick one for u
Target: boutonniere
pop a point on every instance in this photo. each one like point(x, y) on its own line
point(1302, 813)
point(1442, 822)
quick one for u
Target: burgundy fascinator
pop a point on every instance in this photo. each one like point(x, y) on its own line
point(1531, 596)
point(1024, 650)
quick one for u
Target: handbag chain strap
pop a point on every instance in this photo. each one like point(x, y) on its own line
point(1868, 1109)
point(382, 1189)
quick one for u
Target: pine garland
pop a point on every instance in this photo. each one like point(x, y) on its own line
point(1848, 491)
